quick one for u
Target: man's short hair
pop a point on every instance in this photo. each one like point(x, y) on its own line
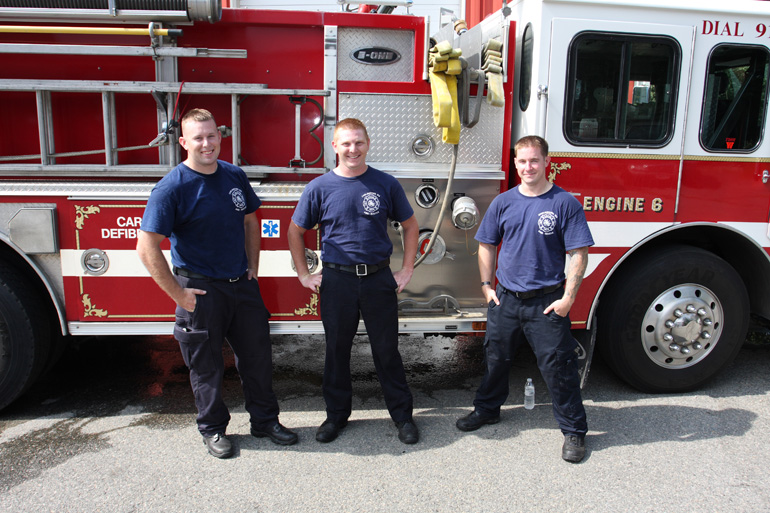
point(350, 124)
point(532, 141)
point(200, 115)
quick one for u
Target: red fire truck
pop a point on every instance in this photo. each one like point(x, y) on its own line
point(656, 114)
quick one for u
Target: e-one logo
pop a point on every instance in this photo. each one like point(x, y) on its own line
point(375, 55)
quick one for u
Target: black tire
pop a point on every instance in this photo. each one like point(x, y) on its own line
point(672, 319)
point(24, 335)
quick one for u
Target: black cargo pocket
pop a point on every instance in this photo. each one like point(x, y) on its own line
point(195, 348)
point(567, 369)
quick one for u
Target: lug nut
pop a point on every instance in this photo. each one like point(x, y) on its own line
point(685, 350)
point(702, 312)
point(668, 337)
point(669, 324)
point(674, 347)
point(678, 313)
point(690, 309)
point(705, 335)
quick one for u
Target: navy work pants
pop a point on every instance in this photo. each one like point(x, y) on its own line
point(233, 311)
point(508, 324)
point(345, 298)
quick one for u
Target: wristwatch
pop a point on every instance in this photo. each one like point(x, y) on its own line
point(486, 283)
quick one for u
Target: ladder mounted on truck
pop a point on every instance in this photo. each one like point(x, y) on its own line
point(169, 155)
point(165, 90)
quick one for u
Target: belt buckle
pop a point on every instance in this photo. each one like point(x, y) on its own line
point(233, 280)
point(359, 272)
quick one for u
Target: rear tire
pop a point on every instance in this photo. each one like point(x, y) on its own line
point(671, 320)
point(25, 341)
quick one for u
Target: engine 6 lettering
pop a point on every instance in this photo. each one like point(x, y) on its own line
point(620, 204)
point(128, 228)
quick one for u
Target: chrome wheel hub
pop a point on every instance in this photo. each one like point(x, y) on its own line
point(682, 326)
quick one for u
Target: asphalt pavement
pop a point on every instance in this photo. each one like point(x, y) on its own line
point(112, 428)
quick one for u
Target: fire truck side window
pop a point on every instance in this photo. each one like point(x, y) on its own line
point(525, 82)
point(735, 99)
point(622, 90)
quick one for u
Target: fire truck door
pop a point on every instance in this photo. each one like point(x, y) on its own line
point(619, 88)
point(729, 149)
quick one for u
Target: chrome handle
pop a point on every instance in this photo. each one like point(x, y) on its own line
point(765, 176)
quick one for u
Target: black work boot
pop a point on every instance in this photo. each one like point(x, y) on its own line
point(574, 448)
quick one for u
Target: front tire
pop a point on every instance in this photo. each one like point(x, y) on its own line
point(672, 319)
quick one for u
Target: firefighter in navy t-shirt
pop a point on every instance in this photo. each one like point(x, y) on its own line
point(206, 207)
point(535, 224)
point(352, 205)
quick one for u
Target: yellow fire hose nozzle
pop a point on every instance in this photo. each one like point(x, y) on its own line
point(460, 26)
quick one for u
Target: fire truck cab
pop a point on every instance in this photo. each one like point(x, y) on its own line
point(656, 116)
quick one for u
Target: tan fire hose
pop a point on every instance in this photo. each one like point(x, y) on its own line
point(444, 206)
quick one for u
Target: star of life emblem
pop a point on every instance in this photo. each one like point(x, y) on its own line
point(271, 228)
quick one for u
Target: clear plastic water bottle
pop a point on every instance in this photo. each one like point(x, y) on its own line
point(529, 394)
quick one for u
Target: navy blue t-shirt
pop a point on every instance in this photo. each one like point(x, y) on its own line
point(353, 215)
point(203, 217)
point(535, 233)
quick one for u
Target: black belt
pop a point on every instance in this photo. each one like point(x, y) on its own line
point(359, 269)
point(534, 293)
point(197, 276)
